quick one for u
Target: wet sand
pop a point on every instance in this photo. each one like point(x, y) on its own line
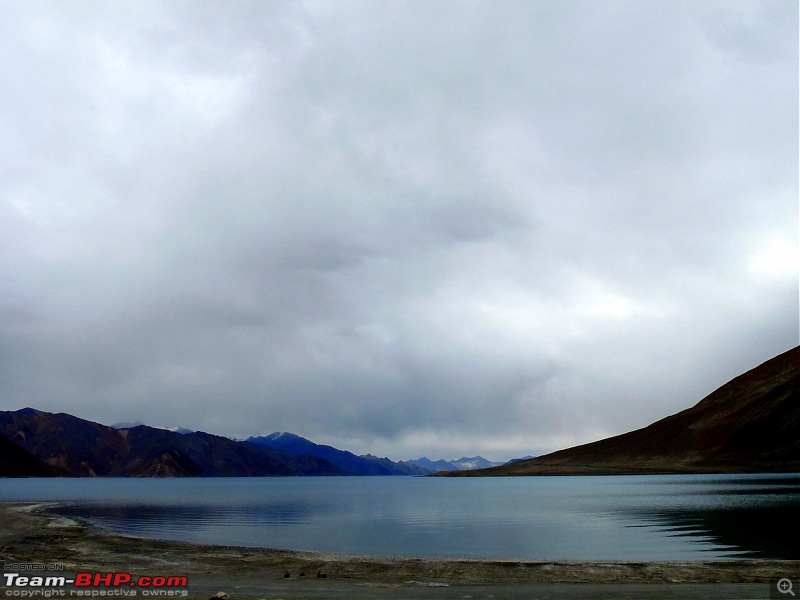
point(29, 535)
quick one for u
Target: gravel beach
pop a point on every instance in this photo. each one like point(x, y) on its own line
point(30, 538)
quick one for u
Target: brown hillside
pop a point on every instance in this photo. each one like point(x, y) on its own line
point(750, 424)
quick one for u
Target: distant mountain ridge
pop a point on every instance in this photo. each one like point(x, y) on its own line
point(750, 424)
point(348, 462)
point(132, 424)
point(36, 443)
point(462, 464)
point(69, 445)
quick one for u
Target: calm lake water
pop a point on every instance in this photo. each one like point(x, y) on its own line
point(674, 517)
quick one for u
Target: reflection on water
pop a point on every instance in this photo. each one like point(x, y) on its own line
point(139, 519)
point(276, 514)
point(546, 518)
point(768, 532)
point(225, 523)
point(755, 518)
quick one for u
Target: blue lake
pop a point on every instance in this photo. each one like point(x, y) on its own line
point(671, 517)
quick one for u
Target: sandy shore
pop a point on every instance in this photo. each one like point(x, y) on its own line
point(28, 535)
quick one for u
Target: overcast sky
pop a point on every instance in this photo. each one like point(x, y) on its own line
point(406, 228)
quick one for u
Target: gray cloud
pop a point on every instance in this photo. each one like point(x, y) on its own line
point(416, 228)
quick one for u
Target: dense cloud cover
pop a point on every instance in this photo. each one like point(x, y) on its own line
point(404, 228)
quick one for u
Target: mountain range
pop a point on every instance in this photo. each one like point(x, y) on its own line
point(37, 443)
point(81, 448)
point(346, 461)
point(750, 424)
point(367, 464)
point(462, 464)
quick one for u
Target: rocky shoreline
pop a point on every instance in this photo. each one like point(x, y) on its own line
point(29, 535)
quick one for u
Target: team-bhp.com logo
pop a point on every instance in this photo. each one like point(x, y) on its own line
point(93, 585)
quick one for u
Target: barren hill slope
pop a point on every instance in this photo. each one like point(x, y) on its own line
point(750, 424)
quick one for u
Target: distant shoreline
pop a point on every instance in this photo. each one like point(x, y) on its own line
point(558, 470)
point(28, 534)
